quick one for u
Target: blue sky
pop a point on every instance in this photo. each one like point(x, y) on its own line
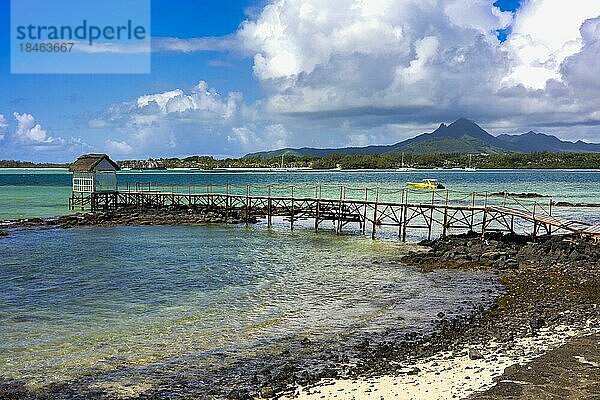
point(238, 76)
point(63, 103)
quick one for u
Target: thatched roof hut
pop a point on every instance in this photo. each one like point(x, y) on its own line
point(94, 173)
point(94, 163)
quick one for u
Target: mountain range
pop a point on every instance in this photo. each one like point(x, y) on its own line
point(461, 136)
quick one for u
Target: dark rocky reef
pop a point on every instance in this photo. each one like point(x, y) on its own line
point(167, 215)
point(569, 204)
point(530, 195)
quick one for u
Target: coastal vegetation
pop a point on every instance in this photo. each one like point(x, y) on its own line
point(394, 160)
point(29, 164)
point(357, 161)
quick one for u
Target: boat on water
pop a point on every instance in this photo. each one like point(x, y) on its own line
point(470, 167)
point(281, 168)
point(402, 168)
point(428, 184)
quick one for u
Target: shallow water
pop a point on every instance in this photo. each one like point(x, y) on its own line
point(97, 301)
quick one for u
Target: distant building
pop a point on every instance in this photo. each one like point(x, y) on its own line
point(94, 173)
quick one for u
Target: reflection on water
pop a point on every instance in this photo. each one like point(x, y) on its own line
point(114, 303)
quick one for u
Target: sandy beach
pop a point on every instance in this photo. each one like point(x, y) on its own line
point(450, 375)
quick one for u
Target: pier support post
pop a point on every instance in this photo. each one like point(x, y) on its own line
point(292, 211)
point(535, 223)
point(445, 227)
point(550, 212)
point(405, 216)
point(247, 203)
point(317, 211)
point(338, 228)
point(269, 222)
point(375, 213)
point(401, 211)
point(364, 217)
point(227, 204)
point(484, 221)
point(430, 224)
point(472, 224)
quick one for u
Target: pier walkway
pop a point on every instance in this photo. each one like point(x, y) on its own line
point(370, 209)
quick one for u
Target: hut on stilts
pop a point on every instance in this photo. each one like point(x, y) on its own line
point(94, 175)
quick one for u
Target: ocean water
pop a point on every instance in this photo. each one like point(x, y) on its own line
point(116, 308)
point(34, 193)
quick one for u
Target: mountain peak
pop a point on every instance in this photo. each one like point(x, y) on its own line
point(461, 136)
point(464, 123)
point(462, 127)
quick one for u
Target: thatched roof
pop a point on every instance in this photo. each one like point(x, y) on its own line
point(89, 162)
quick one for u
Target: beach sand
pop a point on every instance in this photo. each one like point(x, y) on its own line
point(450, 375)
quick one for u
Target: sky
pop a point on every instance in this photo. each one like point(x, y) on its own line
point(237, 76)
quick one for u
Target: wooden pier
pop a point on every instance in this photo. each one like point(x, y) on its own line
point(405, 212)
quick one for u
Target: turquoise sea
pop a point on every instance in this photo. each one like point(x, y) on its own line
point(131, 310)
point(43, 193)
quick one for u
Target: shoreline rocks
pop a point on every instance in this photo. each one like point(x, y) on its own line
point(132, 216)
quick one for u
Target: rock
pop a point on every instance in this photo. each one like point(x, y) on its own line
point(3, 233)
point(475, 354)
point(511, 370)
point(239, 394)
point(536, 324)
point(267, 392)
point(493, 255)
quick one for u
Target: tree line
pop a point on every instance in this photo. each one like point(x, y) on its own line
point(374, 161)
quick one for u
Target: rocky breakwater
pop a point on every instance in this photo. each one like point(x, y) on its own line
point(553, 280)
point(167, 215)
point(551, 285)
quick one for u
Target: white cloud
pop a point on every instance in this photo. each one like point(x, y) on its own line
point(115, 48)
point(191, 45)
point(3, 127)
point(315, 56)
point(201, 100)
point(118, 148)
point(29, 140)
point(260, 137)
point(30, 133)
point(171, 122)
point(342, 72)
point(420, 61)
point(581, 69)
point(544, 34)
